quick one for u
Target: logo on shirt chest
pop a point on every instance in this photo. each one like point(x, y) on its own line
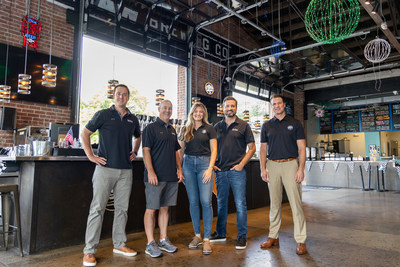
point(290, 127)
point(204, 131)
point(129, 121)
point(235, 130)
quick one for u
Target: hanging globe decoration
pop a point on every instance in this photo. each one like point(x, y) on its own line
point(377, 50)
point(320, 112)
point(220, 110)
point(331, 21)
point(277, 49)
point(246, 116)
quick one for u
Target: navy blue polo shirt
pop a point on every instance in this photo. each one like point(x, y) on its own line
point(115, 136)
point(199, 145)
point(163, 143)
point(232, 142)
point(282, 136)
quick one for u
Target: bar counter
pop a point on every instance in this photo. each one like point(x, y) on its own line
point(55, 196)
point(344, 177)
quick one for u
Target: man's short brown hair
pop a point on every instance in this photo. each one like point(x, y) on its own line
point(229, 98)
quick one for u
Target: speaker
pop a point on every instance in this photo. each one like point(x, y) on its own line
point(8, 118)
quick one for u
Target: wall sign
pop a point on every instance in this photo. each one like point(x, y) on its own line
point(209, 88)
point(31, 31)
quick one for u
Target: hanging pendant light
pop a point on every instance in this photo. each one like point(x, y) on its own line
point(5, 90)
point(159, 96)
point(24, 84)
point(195, 100)
point(266, 117)
point(220, 110)
point(5, 93)
point(24, 80)
point(49, 77)
point(246, 116)
point(111, 88)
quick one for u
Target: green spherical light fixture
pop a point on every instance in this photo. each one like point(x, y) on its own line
point(331, 21)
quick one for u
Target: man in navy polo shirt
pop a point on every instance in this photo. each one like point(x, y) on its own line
point(116, 125)
point(233, 137)
point(284, 140)
point(161, 176)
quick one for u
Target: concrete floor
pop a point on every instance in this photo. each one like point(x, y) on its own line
point(345, 227)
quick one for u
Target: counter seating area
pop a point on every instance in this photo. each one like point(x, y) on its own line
point(345, 177)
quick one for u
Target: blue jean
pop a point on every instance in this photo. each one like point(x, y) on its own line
point(237, 181)
point(193, 170)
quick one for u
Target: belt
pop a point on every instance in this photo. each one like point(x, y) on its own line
point(283, 160)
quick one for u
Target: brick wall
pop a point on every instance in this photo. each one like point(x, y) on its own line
point(29, 113)
point(205, 71)
point(181, 93)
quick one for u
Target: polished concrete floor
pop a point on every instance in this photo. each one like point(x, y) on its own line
point(345, 227)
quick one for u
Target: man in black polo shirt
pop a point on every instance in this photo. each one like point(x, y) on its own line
point(283, 138)
point(233, 137)
point(161, 176)
point(116, 125)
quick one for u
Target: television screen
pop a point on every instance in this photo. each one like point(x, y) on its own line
point(58, 95)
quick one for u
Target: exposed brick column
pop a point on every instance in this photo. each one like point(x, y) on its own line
point(181, 93)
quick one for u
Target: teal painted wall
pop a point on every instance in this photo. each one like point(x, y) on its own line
point(372, 138)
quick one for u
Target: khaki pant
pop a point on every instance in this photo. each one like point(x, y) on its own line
point(283, 173)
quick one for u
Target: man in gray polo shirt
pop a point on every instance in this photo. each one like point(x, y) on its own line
point(162, 173)
point(116, 125)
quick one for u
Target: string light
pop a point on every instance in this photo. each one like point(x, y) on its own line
point(331, 21)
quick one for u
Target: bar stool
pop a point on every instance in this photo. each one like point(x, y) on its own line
point(5, 192)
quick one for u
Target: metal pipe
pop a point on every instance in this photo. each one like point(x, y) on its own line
point(211, 21)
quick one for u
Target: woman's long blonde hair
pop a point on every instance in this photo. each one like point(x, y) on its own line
point(186, 133)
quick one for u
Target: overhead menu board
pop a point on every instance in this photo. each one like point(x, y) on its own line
point(352, 121)
point(325, 123)
point(396, 116)
point(382, 118)
point(339, 121)
point(368, 119)
point(375, 118)
point(345, 121)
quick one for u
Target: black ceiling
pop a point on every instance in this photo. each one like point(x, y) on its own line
point(264, 21)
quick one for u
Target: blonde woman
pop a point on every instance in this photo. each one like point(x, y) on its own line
point(198, 140)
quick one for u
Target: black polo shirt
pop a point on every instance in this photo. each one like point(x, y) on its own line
point(199, 145)
point(163, 143)
point(115, 136)
point(232, 142)
point(282, 137)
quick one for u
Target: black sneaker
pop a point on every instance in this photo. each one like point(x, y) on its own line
point(241, 243)
point(216, 238)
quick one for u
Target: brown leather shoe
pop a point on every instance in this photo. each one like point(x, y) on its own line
point(270, 242)
point(301, 249)
point(89, 260)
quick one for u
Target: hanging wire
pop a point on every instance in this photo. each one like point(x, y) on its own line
point(8, 44)
point(51, 31)
point(28, 4)
point(279, 18)
point(38, 11)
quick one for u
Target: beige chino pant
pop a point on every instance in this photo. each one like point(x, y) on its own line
point(283, 174)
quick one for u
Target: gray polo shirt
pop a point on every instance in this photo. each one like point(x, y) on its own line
point(163, 143)
point(232, 142)
point(282, 136)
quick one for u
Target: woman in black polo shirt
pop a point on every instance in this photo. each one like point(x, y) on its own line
point(198, 140)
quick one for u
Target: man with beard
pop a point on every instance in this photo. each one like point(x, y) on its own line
point(233, 137)
point(283, 138)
